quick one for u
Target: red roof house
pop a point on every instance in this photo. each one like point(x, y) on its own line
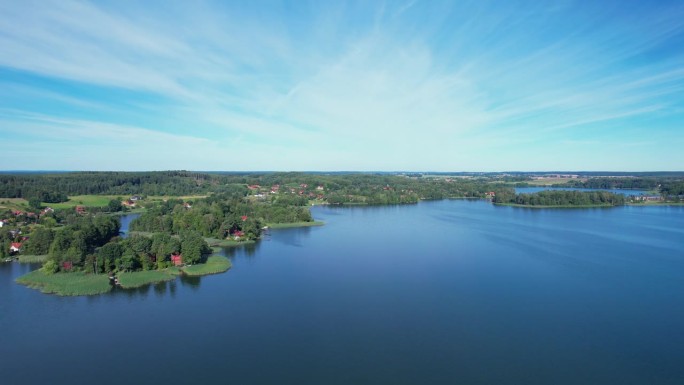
point(15, 247)
point(177, 259)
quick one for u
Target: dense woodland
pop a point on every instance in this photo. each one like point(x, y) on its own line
point(560, 198)
point(90, 241)
point(336, 188)
point(618, 183)
point(55, 187)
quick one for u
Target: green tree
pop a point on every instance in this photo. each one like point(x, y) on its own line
point(107, 256)
point(192, 247)
point(49, 267)
point(128, 261)
point(34, 203)
point(163, 245)
point(48, 222)
point(114, 206)
point(39, 242)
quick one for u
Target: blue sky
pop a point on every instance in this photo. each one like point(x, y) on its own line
point(394, 85)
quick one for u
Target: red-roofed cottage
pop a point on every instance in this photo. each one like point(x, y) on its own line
point(177, 259)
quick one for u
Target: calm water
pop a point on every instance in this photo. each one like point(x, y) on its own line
point(448, 292)
point(125, 222)
point(528, 190)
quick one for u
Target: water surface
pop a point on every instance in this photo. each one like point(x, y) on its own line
point(446, 292)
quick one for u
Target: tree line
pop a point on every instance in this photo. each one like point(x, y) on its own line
point(616, 183)
point(559, 198)
point(55, 187)
point(335, 188)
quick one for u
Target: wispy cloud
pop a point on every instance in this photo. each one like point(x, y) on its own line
point(414, 85)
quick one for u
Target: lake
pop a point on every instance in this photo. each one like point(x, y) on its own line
point(442, 292)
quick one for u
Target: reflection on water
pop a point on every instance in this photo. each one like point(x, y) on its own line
point(191, 282)
point(125, 221)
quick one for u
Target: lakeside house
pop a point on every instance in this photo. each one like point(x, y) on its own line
point(128, 203)
point(177, 259)
point(15, 247)
point(490, 194)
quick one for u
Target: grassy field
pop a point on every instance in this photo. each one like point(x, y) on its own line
point(183, 197)
point(551, 181)
point(294, 224)
point(32, 258)
point(141, 278)
point(649, 203)
point(215, 264)
point(13, 203)
point(66, 283)
point(215, 242)
point(84, 200)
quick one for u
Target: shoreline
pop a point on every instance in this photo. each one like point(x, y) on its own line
point(83, 284)
point(555, 206)
point(290, 225)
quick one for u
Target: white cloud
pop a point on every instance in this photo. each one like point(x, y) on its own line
point(348, 86)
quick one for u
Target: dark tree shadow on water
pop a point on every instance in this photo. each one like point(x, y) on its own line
point(191, 282)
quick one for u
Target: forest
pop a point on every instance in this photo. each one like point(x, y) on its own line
point(53, 188)
point(353, 188)
point(627, 183)
point(90, 241)
point(559, 198)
